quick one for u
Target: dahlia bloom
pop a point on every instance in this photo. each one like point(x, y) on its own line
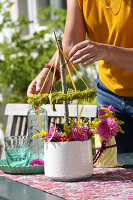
point(36, 162)
point(56, 135)
point(90, 132)
point(107, 128)
point(85, 129)
point(79, 134)
point(102, 112)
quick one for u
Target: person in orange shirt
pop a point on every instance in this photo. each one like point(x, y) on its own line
point(108, 26)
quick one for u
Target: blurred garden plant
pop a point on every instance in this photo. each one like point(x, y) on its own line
point(22, 59)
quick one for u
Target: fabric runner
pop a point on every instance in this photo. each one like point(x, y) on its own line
point(106, 183)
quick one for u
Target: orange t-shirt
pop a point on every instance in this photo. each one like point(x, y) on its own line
point(113, 26)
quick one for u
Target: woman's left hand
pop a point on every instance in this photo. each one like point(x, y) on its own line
point(86, 52)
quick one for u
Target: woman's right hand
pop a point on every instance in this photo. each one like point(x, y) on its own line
point(36, 85)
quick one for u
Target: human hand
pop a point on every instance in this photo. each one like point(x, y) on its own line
point(36, 84)
point(86, 52)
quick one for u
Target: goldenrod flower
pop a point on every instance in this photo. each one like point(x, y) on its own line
point(42, 134)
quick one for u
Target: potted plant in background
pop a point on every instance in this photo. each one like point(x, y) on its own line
point(23, 56)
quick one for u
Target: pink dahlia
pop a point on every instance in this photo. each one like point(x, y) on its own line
point(109, 107)
point(79, 134)
point(56, 135)
point(90, 132)
point(107, 128)
point(85, 129)
point(36, 162)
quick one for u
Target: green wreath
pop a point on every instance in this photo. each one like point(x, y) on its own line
point(59, 97)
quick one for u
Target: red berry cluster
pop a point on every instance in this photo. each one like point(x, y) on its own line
point(66, 138)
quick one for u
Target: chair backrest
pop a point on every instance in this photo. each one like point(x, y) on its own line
point(17, 116)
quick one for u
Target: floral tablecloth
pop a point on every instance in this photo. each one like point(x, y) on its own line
point(106, 183)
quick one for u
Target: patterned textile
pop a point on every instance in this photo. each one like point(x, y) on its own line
point(106, 183)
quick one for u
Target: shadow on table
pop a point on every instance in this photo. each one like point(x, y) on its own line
point(3, 198)
point(128, 166)
point(120, 175)
point(111, 176)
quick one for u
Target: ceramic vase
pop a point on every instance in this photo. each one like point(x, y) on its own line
point(68, 161)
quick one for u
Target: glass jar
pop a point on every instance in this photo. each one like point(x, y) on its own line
point(36, 145)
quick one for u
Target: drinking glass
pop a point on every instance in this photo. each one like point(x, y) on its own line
point(17, 150)
point(36, 146)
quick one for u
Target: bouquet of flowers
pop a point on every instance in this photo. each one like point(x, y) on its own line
point(106, 126)
point(104, 129)
point(65, 132)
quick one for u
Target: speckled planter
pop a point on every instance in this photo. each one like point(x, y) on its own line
point(68, 161)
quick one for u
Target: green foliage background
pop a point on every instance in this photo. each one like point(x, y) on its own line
point(22, 59)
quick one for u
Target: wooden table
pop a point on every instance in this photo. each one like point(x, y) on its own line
point(11, 190)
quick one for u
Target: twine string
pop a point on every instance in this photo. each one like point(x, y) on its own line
point(66, 63)
point(40, 119)
point(100, 150)
point(53, 131)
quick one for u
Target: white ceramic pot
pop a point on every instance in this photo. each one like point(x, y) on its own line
point(68, 161)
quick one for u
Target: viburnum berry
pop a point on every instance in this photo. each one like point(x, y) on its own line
point(66, 137)
point(63, 139)
point(69, 139)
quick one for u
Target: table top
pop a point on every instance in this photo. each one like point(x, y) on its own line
point(11, 190)
point(127, 159)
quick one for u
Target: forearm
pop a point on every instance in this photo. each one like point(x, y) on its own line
point(118, 56)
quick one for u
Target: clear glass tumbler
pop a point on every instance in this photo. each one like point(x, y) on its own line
point(17, 150)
